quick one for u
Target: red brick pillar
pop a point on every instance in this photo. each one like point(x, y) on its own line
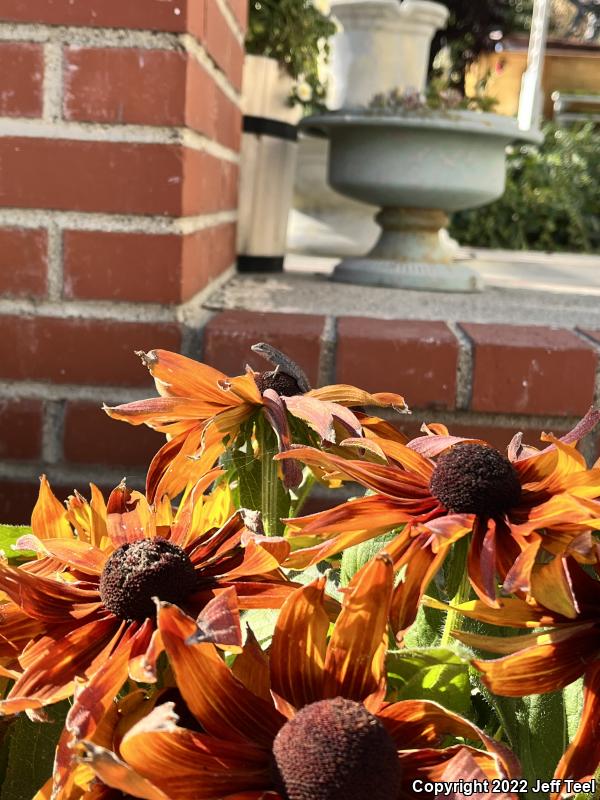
point(120, 132)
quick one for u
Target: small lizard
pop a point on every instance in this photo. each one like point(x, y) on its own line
point(282, 363)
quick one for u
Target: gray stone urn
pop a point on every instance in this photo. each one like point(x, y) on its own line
point(416, 167)
point(380, 45)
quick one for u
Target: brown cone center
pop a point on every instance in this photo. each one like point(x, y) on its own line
point(138, 571)
point(285, 385)
point(335, 749)
point(475, 479)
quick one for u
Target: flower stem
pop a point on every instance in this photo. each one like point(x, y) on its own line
point(269, 479)
point(303, 492)
point(458, 569)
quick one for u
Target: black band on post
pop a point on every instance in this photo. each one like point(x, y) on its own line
point(262, 126)
point(260, 263)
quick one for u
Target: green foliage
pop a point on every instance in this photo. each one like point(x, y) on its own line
point(436, 674)
point(470, 24)
point(8, 537)
point(356, 557)
point(295, 33)
point(536, 730)
point(573, 699)
point(28, 753)
point(551, 200)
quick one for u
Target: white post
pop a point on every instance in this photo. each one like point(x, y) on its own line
point(530, 102)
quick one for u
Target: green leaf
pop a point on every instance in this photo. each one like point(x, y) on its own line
point(258, 486)
point(573, 700)
point(356, 557)
point(536, 727)
point(435, 673)
point(306, 576)
point(8, 537)
point(31, 749)
point(426, 630)
point(262, 621)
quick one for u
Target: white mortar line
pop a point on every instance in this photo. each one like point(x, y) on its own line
point(53, 81)
point(197, 141)
point(52, 431)
point(55, 262)
point(90, 310)
point(231, 20)
point(111, 395)
point(590, 445)
point(326, 374)
point(113, 223)
point(188, 225)
point(69, 474)
point(90, 37)
point(464, 367)
point(512, 422)
point(193, 48)
point(133, 134)
point(193, 313)
point(117, 38)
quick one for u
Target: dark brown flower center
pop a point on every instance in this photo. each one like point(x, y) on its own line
point(335, 749)
point(137, 572)
point(285, 385)
point(475, 479)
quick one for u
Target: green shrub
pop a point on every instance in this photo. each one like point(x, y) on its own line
point(296, 34)
point(552, 197)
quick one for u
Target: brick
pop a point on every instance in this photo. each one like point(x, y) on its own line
point(206, 255)
point(21, 79)
point(23, 262)
point(145, 268)
point(96, 352)
point(416, 359)
point(92, 437)
point(209, 110)
point(160, 15)
point(137, 267)
point(229, 335)
point(114, 177)
point(240, 12)
point(20, 428)
point(222, 44)
point(530, 370)
point(210, 184)
point(17, 499)
point(500, 436)
point(108, 177)
point(117, 85)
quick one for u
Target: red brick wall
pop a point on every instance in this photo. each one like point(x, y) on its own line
point(120, 131)
point(481, 380)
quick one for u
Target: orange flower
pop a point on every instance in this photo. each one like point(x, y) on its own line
point(549, 660)
point(307, 720)
point(200, 407)
point(79, 781)
point(516, 506)
point(92, 593)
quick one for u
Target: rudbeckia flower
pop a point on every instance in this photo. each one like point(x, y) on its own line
point(307, 721)
point(548, 660)
point(95, 609)
point(199, 408)
point(79, 781)
point(519, 505)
